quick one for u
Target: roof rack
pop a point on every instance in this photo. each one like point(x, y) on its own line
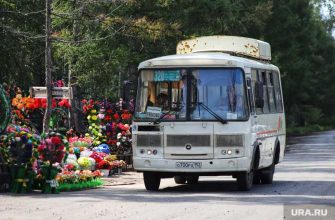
point(240, 46)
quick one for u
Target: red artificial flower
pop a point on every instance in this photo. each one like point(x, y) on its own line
point(37, 103)
point(61, 148)
point(40, 148)
point(97, 173)
point(108, 118)
point(126, 116)
point(59, 83)
point(43, 103)
point(98, 156)
point(60, 156)
point(69, 167)
point(116, 116)
point(53, 103)
point(122, 127)
point(103, 165)
point(56, 140)
point(112, 142)
point(64, 103)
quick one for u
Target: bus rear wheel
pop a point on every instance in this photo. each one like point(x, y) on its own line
point(151, 181)
point(257, 177)
point(267, 174)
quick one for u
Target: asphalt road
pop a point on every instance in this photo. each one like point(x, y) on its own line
point(306, 176)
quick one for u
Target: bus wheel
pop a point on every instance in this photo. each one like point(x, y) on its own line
point(192, 179)
point(180, 179)
point(151, 181)
point(257, 177)
point(267, 174)
point(245, 180)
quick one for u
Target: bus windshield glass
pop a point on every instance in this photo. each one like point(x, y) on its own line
point(219, 90)
point(163, 94)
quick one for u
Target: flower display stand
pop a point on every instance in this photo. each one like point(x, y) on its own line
point(50, 184)
point(21, 179)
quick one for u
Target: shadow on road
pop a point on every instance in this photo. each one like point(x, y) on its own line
point(288, 192)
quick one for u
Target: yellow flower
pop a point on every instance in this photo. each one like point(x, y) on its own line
point(94, 117)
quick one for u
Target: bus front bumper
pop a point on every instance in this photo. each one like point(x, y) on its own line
point(192, 166)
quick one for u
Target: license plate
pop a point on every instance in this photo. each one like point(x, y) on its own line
point(189, 165)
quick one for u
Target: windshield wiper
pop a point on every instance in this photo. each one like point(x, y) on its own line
point(158, 120)
point(218, 117)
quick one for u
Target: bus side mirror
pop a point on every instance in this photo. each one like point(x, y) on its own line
point(259, 95)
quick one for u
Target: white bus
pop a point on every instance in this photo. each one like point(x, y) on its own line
point(214, 108)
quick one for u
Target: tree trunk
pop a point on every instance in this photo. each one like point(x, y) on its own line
point(48, 66)
point(74, 119)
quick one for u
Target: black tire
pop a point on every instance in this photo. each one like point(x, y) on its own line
point(192, 179)
point(180, 179)
point(151, 181)
point(245, 180)
point(267, 174)
point(257, 177)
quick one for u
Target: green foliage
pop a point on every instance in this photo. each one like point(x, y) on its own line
point(102, 42)
point(22, 46)
point(293, 131)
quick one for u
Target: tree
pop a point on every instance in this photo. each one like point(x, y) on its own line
point(22, 47)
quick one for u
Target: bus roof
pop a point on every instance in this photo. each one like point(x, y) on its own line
point(235, 45)
point(205, 59)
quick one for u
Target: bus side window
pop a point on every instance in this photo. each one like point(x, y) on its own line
point(279, 105)
point(266, 108)
point(271, 92)
point(250, 96)
point(256, 78)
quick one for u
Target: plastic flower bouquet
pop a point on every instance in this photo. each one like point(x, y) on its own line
point(104, 165)
point(20, 158)
point(52, 152)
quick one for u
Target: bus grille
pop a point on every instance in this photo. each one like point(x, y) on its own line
point(194, 140)
point(149, 140)
point(229, 140)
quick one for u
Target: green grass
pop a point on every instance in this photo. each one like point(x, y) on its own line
point(292, 131)
point(80, 186)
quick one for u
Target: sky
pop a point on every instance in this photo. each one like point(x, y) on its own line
point(325, 12)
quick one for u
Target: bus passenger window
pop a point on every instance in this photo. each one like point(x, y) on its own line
point(250, 96)
point(256, 78)
point(271, 93)
point(278, 96)
point(266, 98)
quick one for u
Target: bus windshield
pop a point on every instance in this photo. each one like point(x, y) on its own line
point(220, 90)
point(163, 94)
